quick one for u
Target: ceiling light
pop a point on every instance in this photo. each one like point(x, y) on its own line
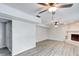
point(52, 9)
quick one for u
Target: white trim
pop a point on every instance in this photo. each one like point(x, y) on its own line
point(56, 39)
point(23, 50)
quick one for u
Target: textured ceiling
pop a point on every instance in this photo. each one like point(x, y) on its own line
point(66, 14)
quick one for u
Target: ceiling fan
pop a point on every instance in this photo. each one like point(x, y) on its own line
point(51, 7)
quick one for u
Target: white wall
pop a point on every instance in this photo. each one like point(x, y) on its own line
point(24, 36)
point(57, 33)
point(41, 33)
point(73, 27)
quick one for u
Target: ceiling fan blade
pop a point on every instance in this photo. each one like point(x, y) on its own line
point(42, 4)
point(43, 11)
point(65, 6)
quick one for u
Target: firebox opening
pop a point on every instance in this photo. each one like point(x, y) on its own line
point(75, 37)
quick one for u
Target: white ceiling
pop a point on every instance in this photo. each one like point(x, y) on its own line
point(66, 14)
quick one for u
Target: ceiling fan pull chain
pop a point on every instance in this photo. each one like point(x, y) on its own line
point(53, 13)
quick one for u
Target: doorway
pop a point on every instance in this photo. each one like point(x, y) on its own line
point(5, 37)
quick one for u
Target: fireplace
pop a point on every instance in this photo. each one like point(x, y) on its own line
point(75, 37)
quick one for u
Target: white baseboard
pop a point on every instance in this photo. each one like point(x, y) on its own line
point(2, 46)
point(56, 39)
point(14, 54)
point(41, 40)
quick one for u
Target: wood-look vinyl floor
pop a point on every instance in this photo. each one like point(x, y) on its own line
point(52, 48)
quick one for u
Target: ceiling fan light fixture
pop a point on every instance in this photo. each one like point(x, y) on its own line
point(52, 9)
point(55, 26)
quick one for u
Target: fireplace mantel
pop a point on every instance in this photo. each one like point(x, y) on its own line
point(72, 31)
